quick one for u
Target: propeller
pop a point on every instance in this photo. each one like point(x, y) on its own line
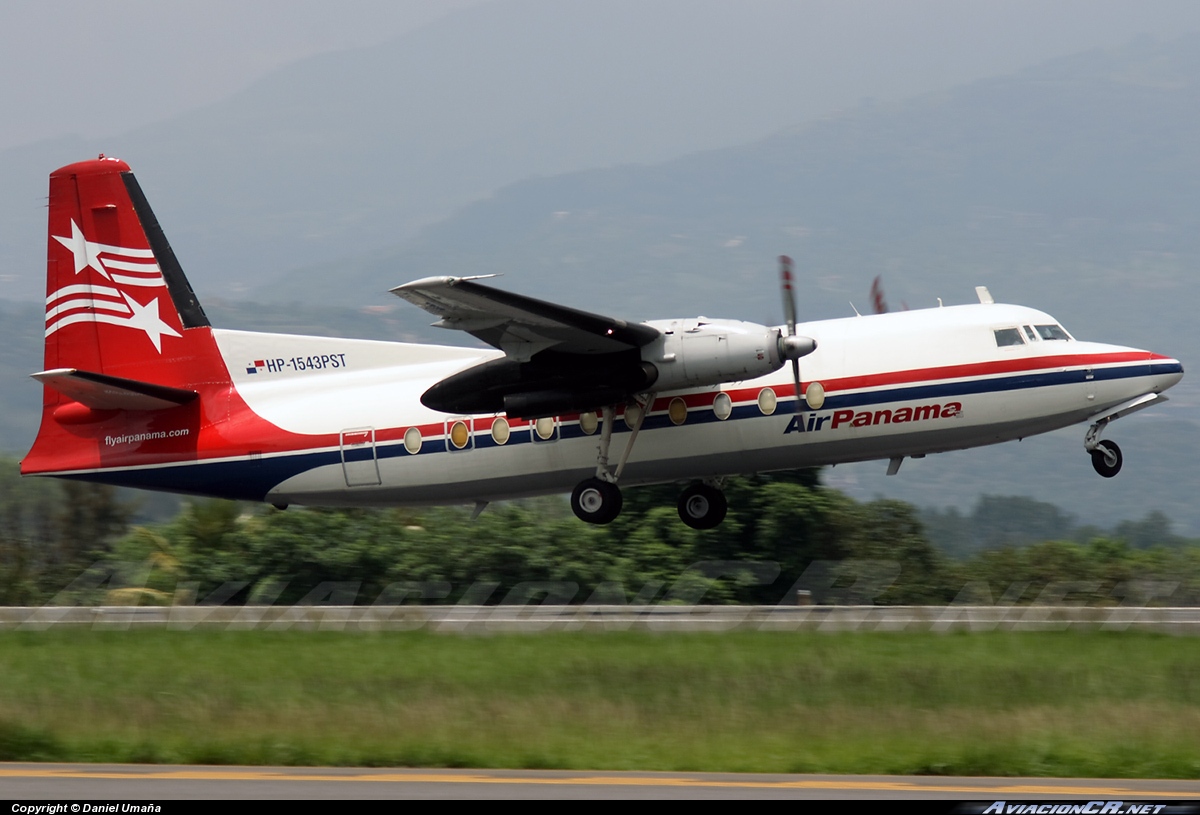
point(790, 346)
point(877, 300)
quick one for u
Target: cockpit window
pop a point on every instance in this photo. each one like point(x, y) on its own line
point(1052, 332)
point(1008, 336)
point(1029, 332)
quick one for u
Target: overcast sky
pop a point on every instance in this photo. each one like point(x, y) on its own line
point(66, 62)
point(99, 68)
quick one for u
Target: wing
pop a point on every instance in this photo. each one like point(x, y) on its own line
point(556, 359)
point(521, 326)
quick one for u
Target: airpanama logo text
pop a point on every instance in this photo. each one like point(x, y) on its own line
point(812, 422)
point(137, 438)
point(88, 302)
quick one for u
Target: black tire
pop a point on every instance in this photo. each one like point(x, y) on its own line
point(1107, 459)
point(596, 501)
point(702, 506)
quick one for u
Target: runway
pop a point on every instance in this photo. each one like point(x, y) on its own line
point(50, 783)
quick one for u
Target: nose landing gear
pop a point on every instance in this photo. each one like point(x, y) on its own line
point(1106, 455)
point(1106, 458)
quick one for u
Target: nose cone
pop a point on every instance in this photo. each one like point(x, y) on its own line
point(1165, 371)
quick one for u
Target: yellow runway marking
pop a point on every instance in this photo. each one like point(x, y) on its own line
point(217, 774)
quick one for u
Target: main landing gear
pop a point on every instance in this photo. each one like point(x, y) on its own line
point(1106, 455)
point(702, 506)
point(597, 500)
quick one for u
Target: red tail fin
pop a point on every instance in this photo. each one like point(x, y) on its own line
point(110, 304)
point(121, 319)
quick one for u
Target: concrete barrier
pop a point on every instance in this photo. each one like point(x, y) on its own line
point(473, 619)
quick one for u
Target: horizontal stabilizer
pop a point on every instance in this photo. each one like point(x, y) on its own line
point(103, 392)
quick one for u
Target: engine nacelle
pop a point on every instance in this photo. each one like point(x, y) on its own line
point(699, 352)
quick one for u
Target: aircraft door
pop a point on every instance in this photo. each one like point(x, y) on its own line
point(359, 462)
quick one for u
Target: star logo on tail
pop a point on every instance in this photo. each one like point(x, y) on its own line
point(147, 319)
point(135, 267)
point(77, 302)
point(87, 253)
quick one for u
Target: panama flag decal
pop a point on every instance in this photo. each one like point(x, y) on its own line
point(132, 300)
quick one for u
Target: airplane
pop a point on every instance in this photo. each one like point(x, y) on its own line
point(141, 391)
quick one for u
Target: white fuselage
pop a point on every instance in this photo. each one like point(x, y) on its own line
point(895, 385)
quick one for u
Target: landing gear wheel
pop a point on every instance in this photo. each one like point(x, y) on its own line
point(1106, 458)
point(596, 501)
point(702, 506)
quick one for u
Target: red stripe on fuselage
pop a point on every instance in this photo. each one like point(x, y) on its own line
point(741, 395)
point(243, 432)
point(981, 369)
point(433, 431)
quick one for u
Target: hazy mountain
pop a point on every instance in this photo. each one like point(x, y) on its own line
point(1074, 186)
point(350, 152)
point(355, 150)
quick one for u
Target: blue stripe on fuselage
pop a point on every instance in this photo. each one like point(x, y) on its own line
point(252, 479)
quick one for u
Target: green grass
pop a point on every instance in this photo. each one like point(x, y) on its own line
point(1056, 704)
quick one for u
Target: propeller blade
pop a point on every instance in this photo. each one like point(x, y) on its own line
point(877, 301)
point(796, 379)
point(789, 296)
point(790, 346)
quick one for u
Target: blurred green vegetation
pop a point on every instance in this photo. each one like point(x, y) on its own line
point(70, 542)
point(1006, 521)
point(1019, 703)
point(50, 532)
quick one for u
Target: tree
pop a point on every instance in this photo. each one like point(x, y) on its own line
point(51, 532)
point(1152, 530)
